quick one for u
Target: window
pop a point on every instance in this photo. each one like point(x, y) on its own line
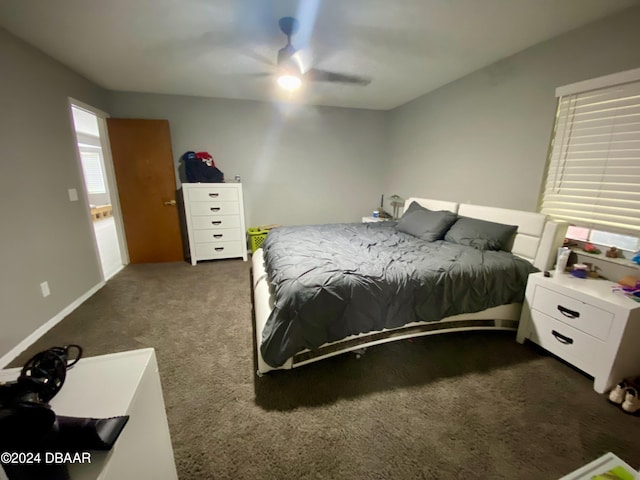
point(578, 233)
point(593, 175)
point(625, 242)
point(608, 239)
point(92, 169)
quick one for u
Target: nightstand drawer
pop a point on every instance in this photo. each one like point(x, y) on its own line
point(568, 310)
point(574, 346)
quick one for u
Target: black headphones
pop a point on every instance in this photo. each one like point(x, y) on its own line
point(25, 413)
point(45, 372)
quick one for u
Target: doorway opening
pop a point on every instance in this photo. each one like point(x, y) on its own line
point(100, 188)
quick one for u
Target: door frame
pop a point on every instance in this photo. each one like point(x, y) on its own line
point(110, 179)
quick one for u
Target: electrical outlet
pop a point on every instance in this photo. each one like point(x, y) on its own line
point(44, 286)
point(73, 195)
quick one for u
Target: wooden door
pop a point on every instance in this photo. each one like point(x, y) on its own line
point(143, 164)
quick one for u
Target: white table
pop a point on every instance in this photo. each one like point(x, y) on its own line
point(124, 383)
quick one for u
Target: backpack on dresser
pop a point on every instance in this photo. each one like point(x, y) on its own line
point(200, 168)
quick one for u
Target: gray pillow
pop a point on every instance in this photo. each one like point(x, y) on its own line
point(481, 234)
point(424, 223)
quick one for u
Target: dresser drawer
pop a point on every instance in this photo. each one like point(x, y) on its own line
point(573, 312)
point(214, 208)
point(568, 343)
point(213, 250)
point(217, 235)
point(215, 221)
point(222, 194)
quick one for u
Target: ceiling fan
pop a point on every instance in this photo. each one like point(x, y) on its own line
point(290, 72)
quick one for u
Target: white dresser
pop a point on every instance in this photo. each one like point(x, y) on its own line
point(585, 324)
point(214, 214)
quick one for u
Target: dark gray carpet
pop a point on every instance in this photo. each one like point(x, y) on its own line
point(467, 405)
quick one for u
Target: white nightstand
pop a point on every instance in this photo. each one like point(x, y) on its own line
point(585, 324)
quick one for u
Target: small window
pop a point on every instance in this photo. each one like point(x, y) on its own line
point(624, 242)
point(578, 233)
point(606, 239)
point(92, 169)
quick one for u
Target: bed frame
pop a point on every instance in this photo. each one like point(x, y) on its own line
point(537, 240)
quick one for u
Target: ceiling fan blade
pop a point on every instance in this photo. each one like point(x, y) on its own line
point(324, 76)
point(258, 57)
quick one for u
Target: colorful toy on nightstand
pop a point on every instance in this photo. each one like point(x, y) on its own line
point(580, 270)
point(591, 248)
point(629, 286)
point(613, 252)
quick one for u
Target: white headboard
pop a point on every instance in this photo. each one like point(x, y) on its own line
point(537, 238)
point(432, 204)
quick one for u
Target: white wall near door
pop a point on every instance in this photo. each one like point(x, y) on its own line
point(107, 240)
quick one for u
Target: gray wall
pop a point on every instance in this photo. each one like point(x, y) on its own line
point(484, 139)
point(299, 165)
point(44, 236)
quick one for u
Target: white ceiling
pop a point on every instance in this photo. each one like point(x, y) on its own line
point(211, 48)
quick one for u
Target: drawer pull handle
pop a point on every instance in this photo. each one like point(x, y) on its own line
point(219, 249)
point(217, 235)
point(561, 338)
point(214, 195)
point(216, 222)
point(215, 209)
point(568, 313)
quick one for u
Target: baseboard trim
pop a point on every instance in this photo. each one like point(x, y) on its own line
point(31, 339)
point(115, 273)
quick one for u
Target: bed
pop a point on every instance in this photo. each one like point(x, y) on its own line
point(323, 290)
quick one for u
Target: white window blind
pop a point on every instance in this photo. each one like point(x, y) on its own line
point(593, 177)
point(92, 169)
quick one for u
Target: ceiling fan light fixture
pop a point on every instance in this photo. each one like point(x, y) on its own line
point(288, 81)
point(293, 69)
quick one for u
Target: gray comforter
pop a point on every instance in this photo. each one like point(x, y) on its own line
point(332, 281)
